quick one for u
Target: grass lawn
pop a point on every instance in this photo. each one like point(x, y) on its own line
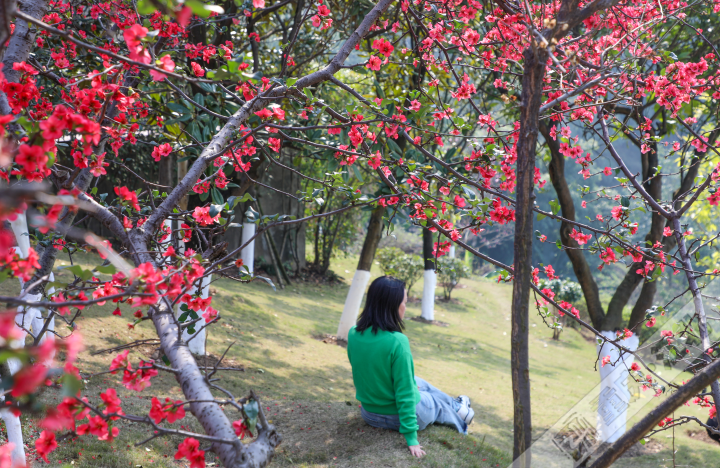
point(306, 385)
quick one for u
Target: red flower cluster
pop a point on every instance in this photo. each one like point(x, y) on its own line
point(190, 449)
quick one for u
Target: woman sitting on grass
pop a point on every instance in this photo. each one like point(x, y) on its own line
point(384, 374)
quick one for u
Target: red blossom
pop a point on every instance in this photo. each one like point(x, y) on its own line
point(45, 444)
point(125, 194)
point(190, 449)
point(241, 430)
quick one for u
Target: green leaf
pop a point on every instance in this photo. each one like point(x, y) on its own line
point(233, 66)
point(107, 269)
point(394, 146)
point(201, 9)
point(308, 93)
point(145, 7)
point(291, 81)
point(470, 192)
point(625, 201)
point(555, 207)
point(216, 209)
point(71, 385)
point(183, 317)
point(217, 197)
point(233, 201)
point(79, 271)
point(180, 109)
point(541, 216)
point(251, 215)
point(357, 173)
point(251, 410)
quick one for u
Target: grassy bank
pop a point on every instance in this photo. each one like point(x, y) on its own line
point(306, 383)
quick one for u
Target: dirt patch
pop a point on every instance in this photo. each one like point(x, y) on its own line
point(330, 339)
point(429, 322)
point(638, 450)
point(702, 436)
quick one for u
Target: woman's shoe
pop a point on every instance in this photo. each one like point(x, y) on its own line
point(465, 412)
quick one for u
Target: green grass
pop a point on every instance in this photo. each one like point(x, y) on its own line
point(307, 384)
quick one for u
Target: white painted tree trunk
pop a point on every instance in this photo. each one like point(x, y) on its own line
point(24, 319)
point(197, 344)
point(248, 253)
point(614, 394)
point(451, 253)
point(14, 436)
point(352, 303)
point(428, 297)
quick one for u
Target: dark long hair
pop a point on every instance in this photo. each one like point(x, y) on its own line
point(382, 306)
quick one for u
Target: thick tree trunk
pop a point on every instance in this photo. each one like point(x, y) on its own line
point(429, 277)
point(653, 186)
point(21, 43)
point(577, 257)
point(532, 85)
point(362, 274)
point(372, 239)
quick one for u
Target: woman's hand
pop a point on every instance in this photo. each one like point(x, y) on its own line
point(416, 451)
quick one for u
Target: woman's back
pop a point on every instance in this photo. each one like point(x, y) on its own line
point(381, 363)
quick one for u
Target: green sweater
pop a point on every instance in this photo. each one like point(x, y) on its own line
point(384, 376)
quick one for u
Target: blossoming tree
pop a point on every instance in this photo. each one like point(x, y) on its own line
point(439, 102)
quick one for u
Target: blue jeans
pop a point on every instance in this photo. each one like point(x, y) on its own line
point(435, 407)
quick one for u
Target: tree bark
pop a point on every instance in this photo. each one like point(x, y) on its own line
point(362, 274)
point(165, 171)
point(372, 239)
point(427, 243)
point(613, 319)
point(532, 86)
point(567, 206)
point(21, 43)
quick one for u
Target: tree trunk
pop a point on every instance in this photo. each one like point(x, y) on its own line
point(248, 253)
point(165, 172)
point(580, 265)
point(653, 186)
point(21, 43)
point(532, 85)
point(362, 274)
point(372, 239)
point(429, 277)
